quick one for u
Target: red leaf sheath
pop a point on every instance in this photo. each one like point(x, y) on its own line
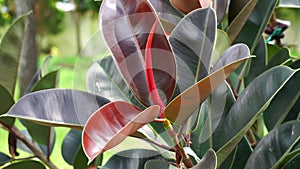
point(150, 80)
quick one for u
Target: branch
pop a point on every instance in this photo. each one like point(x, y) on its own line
point(36, 151)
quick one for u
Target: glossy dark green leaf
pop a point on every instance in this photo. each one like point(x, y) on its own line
point(57, 107)
point(193, 50)
point(209, 161)
point(71, 145)
point(240, 20)
point(235, 7)
point(243, 152)
point(4, 158)
point(41, 72)
point(47, 150)
point(6, 101)
point(213, 111)
point(263, 62)
point(221, 7)
point(121, 120)
point(185, 104)
point(10, 49)
point(26, 165)
point(127, 45)
point(253, 29)
point(294, 163)
point(40, 133)
point(134, 159)
point(281, 57)
point(249, 105)
point(104, 79)
point(47, 82)
point(294, 113)
point(274, 149)
point(281, 105)
point(258, 64)
point(80, 161)
point(155, 164)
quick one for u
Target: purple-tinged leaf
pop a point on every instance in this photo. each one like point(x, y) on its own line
point(111, 124)
point(104, 79)
point(57, 107)
point(220, 6)
point(169, 16)
point(126, 25)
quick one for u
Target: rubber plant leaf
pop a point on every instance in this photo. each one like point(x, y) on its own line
point(186, 7)
point(240, 20)
point(208, 161)
point(57, 107)
point(6, 101)
point(120, 119)
point(10, 49)
point(256, 22)
point(168, 15)
point(104, 79)
point(26, 164)
point(220, 6)
point(126, 25)
point(284, 101)
point(182, 107)
point(132, 158)
point(193, 50)
point(276, 148)
point(236, 124)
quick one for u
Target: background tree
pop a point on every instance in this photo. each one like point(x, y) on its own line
point(29, 52)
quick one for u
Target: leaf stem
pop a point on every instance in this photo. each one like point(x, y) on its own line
point(160, 145)
point(171, 132)
point(251, 138)
point(150, 80)
point(36, 151)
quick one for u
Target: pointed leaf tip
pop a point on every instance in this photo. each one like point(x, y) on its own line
point(120, 120)
point(127, 45)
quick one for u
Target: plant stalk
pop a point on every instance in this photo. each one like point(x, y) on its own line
point(36, 151)
point(171, 132)
point(251, 138)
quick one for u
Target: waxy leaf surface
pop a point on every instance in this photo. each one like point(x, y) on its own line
point(248, 107)
point(192, 41)
point(120, 120)
point(126, 25)
point(57, 107)
point(182, 107)
point(275, 148)
point(104, 79)
point(10, 49)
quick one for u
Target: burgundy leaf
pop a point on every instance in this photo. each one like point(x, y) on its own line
point(111, 124)
point(126, 25)
point(151, 84)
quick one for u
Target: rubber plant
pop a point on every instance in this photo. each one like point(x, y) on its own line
point(187, 94)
